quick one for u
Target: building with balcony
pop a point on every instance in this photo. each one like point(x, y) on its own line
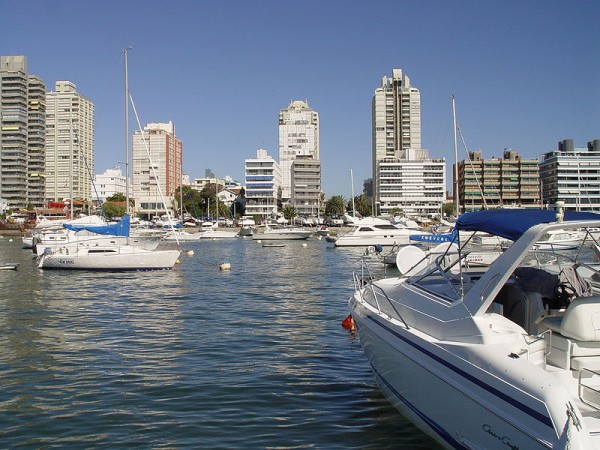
point(109, 183)
point(263, 185)
point(306, 185)
point(69, 144)
point(510, 181)
point(411, 182)
point(157, 168)
point(298, 137)
point(22, 134)
point(396, 125)
point(572, 175)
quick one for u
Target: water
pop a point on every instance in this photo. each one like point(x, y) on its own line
point(195, 357)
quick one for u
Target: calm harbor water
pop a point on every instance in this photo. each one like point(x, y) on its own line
point(195, 357)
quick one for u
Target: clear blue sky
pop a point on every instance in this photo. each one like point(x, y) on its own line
point(525, 74)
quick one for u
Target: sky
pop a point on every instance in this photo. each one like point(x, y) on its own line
point(525, 74)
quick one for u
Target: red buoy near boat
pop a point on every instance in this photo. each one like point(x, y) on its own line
point(348, 323)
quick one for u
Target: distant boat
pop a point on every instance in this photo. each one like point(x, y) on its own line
point(9, 266)
point(281, 232)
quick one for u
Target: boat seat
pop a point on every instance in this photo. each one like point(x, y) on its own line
point(580, 322)
point(576, 344)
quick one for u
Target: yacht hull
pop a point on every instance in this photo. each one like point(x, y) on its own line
point(457, 403)
point(111, 261)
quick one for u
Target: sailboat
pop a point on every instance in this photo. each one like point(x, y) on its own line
point(104, 255)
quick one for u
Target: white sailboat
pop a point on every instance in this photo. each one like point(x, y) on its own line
point(108, 256)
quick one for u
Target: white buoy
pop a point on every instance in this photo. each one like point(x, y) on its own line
point(225, 266)
point(10, 240)
point(258, 241)
point(190, 252)
point(304, 245)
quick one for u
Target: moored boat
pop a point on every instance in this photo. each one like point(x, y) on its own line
point(512, 350)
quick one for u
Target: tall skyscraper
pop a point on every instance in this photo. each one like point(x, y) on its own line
point(157, 167)
point(396, 111)
point(22, 115)
point(298, 136)
point(69, 144)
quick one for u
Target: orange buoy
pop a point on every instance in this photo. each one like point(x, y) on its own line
point(348, 323)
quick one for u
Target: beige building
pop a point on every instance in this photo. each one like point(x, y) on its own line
point(22, 134)
point(157, 168)
point(510, 181)
point(69, 144)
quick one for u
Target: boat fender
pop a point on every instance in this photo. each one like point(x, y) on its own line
point(348, 323)
point(225, 266)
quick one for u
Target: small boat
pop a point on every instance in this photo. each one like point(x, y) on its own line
point(511, 350)
point(560, 240)
point(9, 266)
point(281, 232)
point(273, 244)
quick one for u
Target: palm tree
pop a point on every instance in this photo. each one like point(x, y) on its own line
point(335, 206)
point(289, 212)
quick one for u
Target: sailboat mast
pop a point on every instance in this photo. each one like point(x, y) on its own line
point(455, 187)
point(125, 50)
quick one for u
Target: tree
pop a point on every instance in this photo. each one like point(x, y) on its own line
point(363, 205)
point(289, 212)
point(448, 209)
point(335, 206)
point(114, 206)
point(191, 200)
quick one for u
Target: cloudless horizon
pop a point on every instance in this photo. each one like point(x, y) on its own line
point(525, 75)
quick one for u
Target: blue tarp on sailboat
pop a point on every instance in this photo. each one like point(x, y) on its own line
point(118, 229)
point(512, 223)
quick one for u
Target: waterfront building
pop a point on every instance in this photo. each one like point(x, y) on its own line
point(69, 144)
point(306, 185)
point(263, 185)
point(572, 175)
point(411, 182)
point(157, 158)
point(22, 134)
point(511, 181)
point(298, 137)
point(201, 183)
point(396, 128)
point(109, 183)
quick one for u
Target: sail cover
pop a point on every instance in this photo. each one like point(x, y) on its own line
point(117, 229)
point(512, 223)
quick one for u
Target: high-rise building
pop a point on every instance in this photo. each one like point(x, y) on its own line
point(22, 115)
point(298, 137)
point(492, 183)
point(412, 183)
point(69, 144)
point(306, 185)
point(263, 185)
point(572, 175)
point(396, 124)
point(157, 168)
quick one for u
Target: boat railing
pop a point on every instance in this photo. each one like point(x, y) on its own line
point(589, 388)
point(375, 293)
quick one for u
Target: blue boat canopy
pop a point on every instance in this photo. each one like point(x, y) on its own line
point(118, 229)
point(512, 223)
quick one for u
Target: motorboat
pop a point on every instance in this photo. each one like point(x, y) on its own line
point(495, 357)
point(560, 240)
point(108, 258)
point(385, 234)
point(275, 232)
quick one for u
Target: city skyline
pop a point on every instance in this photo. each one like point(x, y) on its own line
point(525, 75)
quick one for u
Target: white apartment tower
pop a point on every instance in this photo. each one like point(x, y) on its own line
point(22, 134)
point(396, 111)
point(109, 183)
point(69, 144)
point(263, 185)
point(298, 137)
point(157, 167)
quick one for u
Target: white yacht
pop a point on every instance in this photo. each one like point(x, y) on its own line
point(384, 234)
point(505, 356)
point(276, 232)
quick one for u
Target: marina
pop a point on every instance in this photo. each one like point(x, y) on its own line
point(193, 357)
